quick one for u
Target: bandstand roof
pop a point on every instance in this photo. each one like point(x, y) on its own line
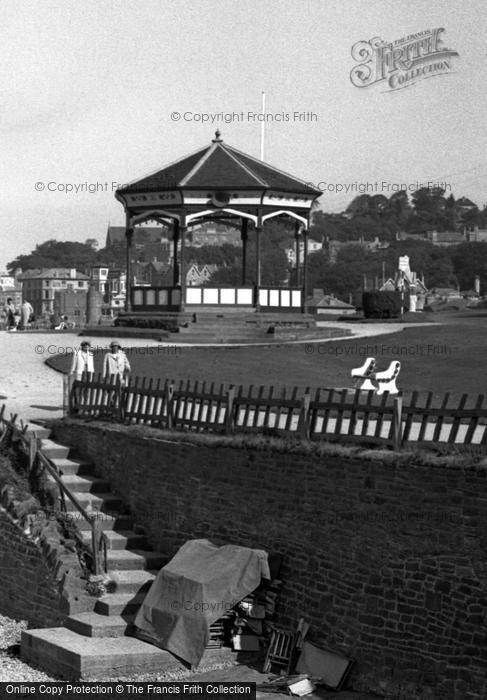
point(215, 181)
point(218, 166)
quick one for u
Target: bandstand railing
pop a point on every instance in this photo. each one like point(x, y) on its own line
point(152, 298)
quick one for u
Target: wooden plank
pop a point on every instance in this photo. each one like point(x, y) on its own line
point(314, 412)
point(341, 412)
point(366, 411)
point(267, 413)
point(474, 421)
point(279, 408)
point(290, 413)
point(193, 403)
point(381, 412)
point(247, 407)
point(441, 418)
point(457, 420)
point(353, 413)
point(409, 410)
point(425, 414)
point(256, 406)
point(204, 403)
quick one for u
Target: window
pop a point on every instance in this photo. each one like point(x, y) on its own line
point(77, 312)
point(80, 284)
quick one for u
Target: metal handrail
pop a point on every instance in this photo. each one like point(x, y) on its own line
point(98, 537)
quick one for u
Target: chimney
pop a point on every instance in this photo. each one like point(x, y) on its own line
point(477, 285)
point(72, 273)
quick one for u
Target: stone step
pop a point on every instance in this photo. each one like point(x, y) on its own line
point(40, 431)
point(84, 484)
point(92, 624)
point(135, 559)
point(53, 449)
point(119, 603)
point(108, 521)
point(74, 466)
point(133, 580)
point(120, 539)
point(62, 652)
point(103, 502)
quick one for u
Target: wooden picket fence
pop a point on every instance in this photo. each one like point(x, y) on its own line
point(326, 414)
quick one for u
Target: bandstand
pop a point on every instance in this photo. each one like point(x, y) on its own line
point(221, 184)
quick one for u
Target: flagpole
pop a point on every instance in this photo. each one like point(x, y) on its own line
point(262, 127)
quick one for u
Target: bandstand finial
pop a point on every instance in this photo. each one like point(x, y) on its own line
point(217, 138)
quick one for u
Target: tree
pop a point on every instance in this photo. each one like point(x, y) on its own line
point(52, 253)
point(470, 259)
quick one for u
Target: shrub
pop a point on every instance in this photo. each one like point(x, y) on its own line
point(381, 304)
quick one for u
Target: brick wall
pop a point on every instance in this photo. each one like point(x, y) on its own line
point(388, 563)
point(28, 590)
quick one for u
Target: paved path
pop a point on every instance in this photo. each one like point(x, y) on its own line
point(27, 385)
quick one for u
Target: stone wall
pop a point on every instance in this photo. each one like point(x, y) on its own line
point(28, 590)
point(386, 560)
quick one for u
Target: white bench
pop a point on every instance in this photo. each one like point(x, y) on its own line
point(363, 375)
point(387, 379)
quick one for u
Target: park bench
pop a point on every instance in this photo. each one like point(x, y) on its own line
point(387, 379)
point(368, 380)
point(363, 375)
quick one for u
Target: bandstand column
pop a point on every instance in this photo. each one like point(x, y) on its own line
point(305, 269)
point(175, 266)
point(244, 237)
point(297, 248)
point(182, 233)
point(258, 230)
point(129, 234)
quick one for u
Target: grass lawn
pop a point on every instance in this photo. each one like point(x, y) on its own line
point(439, 358)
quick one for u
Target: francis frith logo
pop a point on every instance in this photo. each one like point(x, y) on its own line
point(403, 62)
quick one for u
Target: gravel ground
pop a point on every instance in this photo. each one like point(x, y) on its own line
point(12, 668)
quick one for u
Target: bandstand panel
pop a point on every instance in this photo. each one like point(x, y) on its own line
point(227, 296)
point(210, 296)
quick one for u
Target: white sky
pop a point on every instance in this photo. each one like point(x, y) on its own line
point(89, 87)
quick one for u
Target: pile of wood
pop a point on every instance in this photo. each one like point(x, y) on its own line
point(248, 625)
point(253, 617)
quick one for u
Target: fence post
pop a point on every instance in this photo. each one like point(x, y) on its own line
point(67, 384)
point(397, 422)
point(168, 394)
point(229, 417)
point(32, 449)
point(303, 422)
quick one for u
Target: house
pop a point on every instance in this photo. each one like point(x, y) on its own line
point(321, 303)
point(198, 275)
point(213, 233)
point(313, 247)
point(445, 238)
point(7, 280)
point(39, 286)
point(142, 235)
point(465, 204)
point(10, 287)
point(407, 281)
point(443, 294)
point(477, 235)
point(71, 304)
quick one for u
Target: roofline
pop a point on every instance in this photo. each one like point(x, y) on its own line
point(168, 165)
point(208, 150)
point(281, 172)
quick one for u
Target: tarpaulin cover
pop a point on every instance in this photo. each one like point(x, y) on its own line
point(200, 583)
